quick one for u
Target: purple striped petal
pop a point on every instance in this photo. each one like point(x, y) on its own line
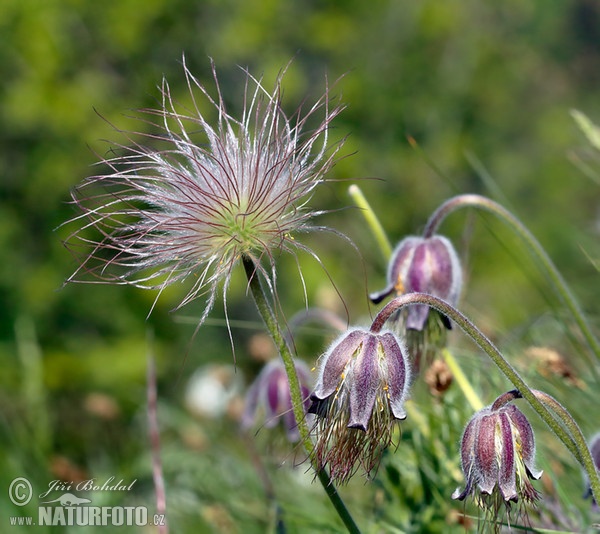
point(402, 259)
point(365, 381)
point(440, 260)
point(486, 462)
point(468, 452)
point(398, 379)
point(527, 439)
point(335, 361)
point(507, 480)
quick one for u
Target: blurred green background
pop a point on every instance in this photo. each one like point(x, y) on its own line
point(484, 88)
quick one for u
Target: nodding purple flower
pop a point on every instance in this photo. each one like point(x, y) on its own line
point(269, 398)
point(203, 195)
point(497, 456)
point(424, 265)
point(362, 385)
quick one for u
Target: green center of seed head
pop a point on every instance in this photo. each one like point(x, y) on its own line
point(243, 230)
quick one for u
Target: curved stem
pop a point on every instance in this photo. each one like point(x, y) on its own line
point(582, 451)
point(490, 349)
point(505, 398)
point(386, 249)
point(533, 244)
point(585, 456)
point(267, 315)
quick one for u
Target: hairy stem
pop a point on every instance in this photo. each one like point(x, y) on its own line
point(490, 349)
point(556, 279)
point(585, 456)
point(267, 315)
point(386, 249)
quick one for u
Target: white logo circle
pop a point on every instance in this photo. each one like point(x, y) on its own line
point(20, 491)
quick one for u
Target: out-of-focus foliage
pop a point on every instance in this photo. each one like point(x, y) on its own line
point(484, 88)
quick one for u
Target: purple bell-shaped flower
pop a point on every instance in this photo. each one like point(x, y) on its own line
point(497, 456)
point(425, 265)
point(360, 392)
point(269, 398)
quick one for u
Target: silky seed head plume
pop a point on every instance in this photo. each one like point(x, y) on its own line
point(192, 199)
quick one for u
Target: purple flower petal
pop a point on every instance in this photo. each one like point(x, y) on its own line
point(417, 317)
point(467, 448)
point(402, 259)
point(365, 381)
point(398, 379)
point(527, 439)
point(486, 462)
point(335, 361)
point(507, 473)
point(419, 275)
point(276, 387)
point(439, 257)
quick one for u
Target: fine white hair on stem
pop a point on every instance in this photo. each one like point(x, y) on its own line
point(189, 199)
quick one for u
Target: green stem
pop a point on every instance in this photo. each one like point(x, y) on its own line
point(582, 451)
point(462, 380)
point(372, 221)
point(533, 244)
point(386, 249)
point(585, 456)
point(267, 315)
point(490, 349)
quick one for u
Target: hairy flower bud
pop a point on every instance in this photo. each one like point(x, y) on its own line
point(497, 456)
point(269, 397)
point(424, 265)
point(362, 385)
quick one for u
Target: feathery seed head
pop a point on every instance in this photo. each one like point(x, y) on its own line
point(210, 195)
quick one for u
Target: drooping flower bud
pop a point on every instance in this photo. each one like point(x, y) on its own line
point(362, 385)
point(497, 456)
point(425, 265)
point(269, 397)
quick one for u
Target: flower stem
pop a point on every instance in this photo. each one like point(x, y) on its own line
point(580, 448)
point(462, 381)
point(585, 456)
point(386, 249)
point(570, 441)
point(533, 245)
point(267, 315)
point(372, 221)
